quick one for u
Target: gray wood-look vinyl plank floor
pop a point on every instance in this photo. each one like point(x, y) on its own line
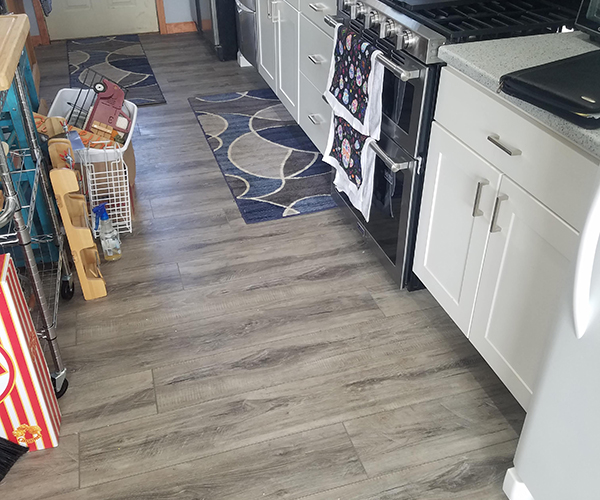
point(274, 360)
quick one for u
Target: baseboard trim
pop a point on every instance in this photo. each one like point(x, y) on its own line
point(514, 487)
point(186, 27)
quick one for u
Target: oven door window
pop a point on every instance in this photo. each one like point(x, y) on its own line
point(386, 209)
point(397, 101)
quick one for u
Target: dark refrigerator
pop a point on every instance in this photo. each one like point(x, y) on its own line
point(216, 22)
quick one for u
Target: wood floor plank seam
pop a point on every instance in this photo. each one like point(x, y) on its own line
point(79, 460)
point(396, 471)
point(355, 450)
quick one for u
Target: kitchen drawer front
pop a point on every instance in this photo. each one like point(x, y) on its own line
point(316, 10)
point(316, 49)
point(315, 114)
point(556, 173)
point(293, 3)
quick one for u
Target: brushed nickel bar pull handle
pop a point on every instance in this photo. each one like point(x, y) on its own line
point(331, 21)
point(495, 140)
point(476, 211)
point(401, 73)
point(494, 227)
point(316, 119)
point(389, 162)
point(316, 58)
point(317, 7)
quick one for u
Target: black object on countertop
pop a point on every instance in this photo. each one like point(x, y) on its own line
point(569, 88)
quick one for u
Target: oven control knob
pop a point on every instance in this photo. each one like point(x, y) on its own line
point(388, 29)
point(408, 39)
point(373, 19)
point(358, 9)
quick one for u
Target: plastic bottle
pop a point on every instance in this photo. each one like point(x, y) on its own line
point(109, 236)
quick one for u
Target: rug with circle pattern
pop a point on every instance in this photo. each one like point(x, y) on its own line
point(271, 166)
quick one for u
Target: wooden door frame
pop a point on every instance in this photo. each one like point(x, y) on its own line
point(171, 28)
point(164, 27)
point(43, 38)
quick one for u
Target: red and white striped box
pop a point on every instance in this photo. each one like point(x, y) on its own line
point(29, 413)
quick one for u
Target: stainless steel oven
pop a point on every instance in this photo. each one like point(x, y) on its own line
point(406, 114)
point(391, 223)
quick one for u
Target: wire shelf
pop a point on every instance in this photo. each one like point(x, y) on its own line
point(107, 182)
point(27, 184)
point(44, 248)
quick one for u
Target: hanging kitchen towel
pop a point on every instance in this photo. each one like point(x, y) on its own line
point(349, 153)
point(356, 82)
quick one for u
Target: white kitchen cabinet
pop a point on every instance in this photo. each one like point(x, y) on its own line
point(267, 42)
point(288, 58)
point(294, 48)
point(456, 209)
point(499, 272)
point(316, 50)
point(314, 114)
point(526, 268)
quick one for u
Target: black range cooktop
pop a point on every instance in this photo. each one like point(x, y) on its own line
point(470, 20)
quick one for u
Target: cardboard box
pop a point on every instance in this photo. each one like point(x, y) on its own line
point(29, 413)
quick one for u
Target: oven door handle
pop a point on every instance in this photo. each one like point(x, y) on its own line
point(398, 71)
point(394, 166)
point(332, 21)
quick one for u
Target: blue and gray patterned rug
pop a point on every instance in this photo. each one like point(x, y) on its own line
point(270, 165)
point(119, 58)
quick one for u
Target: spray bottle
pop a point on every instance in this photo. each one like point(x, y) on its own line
point(109, 236)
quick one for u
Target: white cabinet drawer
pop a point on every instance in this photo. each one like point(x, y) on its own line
point(293, 3)
point(316, 10)
point(316, 49)
point(553, 171)
point(315, 114)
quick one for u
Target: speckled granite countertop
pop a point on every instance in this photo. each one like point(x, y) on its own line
point(485, 62)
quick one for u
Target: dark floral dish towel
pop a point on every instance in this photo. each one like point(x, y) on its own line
point(349, 153)
point(356, 82)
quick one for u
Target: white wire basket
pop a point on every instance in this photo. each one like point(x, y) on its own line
point(107, 181)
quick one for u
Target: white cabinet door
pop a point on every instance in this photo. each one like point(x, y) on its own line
point(525, 272)
point(267, 42)
point(288, 67)
point(456, 209)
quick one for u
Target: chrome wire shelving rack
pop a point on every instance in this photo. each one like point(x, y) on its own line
point(29, 226)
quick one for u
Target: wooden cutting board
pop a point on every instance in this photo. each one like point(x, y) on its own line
point(13, 34)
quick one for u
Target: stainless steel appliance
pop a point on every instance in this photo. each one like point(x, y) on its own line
point(216, 22)
point(588, 19)
point(246, 29)
point(409, 33)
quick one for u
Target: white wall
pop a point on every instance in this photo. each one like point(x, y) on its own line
point(28, 4)
point(180, 11)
